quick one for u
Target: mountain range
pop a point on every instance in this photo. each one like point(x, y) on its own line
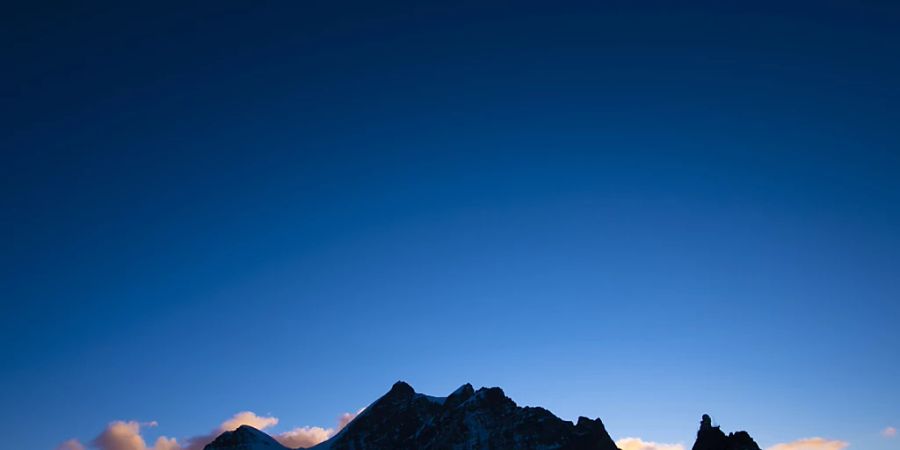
point(467, 419)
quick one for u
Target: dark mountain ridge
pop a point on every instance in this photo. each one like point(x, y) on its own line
point(466, 419)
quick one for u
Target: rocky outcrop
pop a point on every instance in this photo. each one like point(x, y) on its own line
point(711, 437)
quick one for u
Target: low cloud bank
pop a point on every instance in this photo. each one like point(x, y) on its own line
point(304, 436)
point(126, 435)
point(122, 435)
point(811, 444)
point(309, 436)
point(638, 444)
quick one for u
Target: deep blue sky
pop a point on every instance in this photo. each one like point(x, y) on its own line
point(636, 211)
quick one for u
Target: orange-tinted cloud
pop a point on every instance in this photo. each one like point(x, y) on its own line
point(241, 418)
point(121, 435)
point(346, 418)
point(811, 444)
point(638, 444)
point(126, 435)
point(248, 418)
point(164, 443)
point(303, 437)
point(889, 432)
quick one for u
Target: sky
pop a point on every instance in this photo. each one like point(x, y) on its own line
point(638, 211)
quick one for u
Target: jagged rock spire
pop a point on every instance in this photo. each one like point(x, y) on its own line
point(711, 437)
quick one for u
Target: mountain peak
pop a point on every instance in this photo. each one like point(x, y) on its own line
point(464, 390)
point(249, 430)
point(401, 388)
point(588, 424)
point(244, 437)
point(460, 395)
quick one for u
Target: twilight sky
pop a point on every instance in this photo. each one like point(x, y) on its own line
point(634, 210)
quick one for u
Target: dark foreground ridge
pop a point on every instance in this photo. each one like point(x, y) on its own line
point(485, 419)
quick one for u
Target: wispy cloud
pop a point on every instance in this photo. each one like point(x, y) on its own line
point(816, 443)
point(889, 432)
point(638, 444)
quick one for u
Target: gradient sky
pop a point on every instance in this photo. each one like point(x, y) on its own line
point(637, 211)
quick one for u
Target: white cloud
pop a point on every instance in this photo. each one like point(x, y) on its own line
point(303, 437)
point(71, 444)
point(346, 418)
point(241, 418)
point(121, 435)
point(248, 418)
point(638, 444)
point(811, 444)
point(889, 432)
point(164, 443)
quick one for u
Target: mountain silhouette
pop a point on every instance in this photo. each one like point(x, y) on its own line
point(467, 419)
